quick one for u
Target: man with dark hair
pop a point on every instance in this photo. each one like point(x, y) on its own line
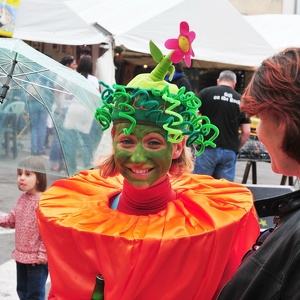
point(221, 104)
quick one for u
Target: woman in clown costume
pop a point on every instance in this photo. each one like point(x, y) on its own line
point(151, 228)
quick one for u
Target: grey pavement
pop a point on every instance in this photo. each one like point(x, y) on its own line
point(10, 194)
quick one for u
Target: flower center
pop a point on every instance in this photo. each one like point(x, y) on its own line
point(184, 43)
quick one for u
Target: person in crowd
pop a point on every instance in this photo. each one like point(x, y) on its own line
point(179, 78)
point(29, 253)
point(270, 270)
point(85, 68)
point(69, 61)
point(59, 108)
point(151, 228)
point(221, 104)
point(38, 115)
point(79, 129)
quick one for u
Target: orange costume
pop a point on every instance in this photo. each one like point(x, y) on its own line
point(187, 251)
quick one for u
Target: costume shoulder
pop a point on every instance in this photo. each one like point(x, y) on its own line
point(88, 182)
point(78, 194)
point(220, 193)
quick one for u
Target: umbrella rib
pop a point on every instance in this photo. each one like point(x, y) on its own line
point(26, 74)
point(35, 84)
point(49, 112)
point(38, 81)
point(15, 76)
point(17, 80)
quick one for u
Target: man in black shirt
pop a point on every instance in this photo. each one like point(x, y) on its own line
point(221, 104)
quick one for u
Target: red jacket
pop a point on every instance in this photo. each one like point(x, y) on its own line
point(29, 248)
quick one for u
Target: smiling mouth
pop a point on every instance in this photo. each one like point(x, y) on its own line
point(141, 171)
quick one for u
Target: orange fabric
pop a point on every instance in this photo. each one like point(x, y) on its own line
point(186, 251)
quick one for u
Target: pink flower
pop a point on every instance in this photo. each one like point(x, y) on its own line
point(183, 45)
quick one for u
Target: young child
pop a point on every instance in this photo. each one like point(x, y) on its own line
point(29, 253)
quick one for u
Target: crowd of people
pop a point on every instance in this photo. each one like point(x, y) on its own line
point(63, 108)
point(161, 217)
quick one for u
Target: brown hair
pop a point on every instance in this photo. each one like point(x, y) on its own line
point(85, 66)
point(35, 164)
point(182, 164)
point(275, 88)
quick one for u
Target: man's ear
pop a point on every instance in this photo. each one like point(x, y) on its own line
point(177, 149)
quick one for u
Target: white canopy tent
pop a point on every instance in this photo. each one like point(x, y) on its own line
point(52, 21)
point(223, 35)
point(280, 31)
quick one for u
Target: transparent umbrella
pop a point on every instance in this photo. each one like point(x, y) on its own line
point(46, 110)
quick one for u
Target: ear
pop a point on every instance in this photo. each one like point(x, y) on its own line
point(177, 149)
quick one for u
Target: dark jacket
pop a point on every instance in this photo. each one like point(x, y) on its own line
point(180, 79)
point(273, 270)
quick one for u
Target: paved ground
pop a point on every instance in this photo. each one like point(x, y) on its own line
point(10, 194)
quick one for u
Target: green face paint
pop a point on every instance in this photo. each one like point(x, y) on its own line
point(144, 157)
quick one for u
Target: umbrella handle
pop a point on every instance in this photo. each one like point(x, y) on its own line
point(4, 90)
point(5, 86)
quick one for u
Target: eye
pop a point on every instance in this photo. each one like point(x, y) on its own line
point(154, 143)
point(125, 142)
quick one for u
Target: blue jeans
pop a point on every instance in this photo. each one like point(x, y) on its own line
point(31, 281)
point(217, 162)
point(56, 155)
point(38, 125)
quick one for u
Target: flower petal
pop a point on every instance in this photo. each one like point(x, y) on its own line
point(191, 36)
point(177, 56)
point(192, 52)
point(188, 60)
point(184, 28)
point(171, 44)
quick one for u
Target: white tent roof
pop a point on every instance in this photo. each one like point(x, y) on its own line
point(52, 21)
point(280, 31)
point(223, 35)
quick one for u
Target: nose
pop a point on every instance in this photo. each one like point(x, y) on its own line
point(138, 156)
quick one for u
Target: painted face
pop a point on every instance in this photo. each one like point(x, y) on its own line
point(27, 181)
point(143, 157)
point(271, 135)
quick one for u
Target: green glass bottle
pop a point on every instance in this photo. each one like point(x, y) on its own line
point(98, 292)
